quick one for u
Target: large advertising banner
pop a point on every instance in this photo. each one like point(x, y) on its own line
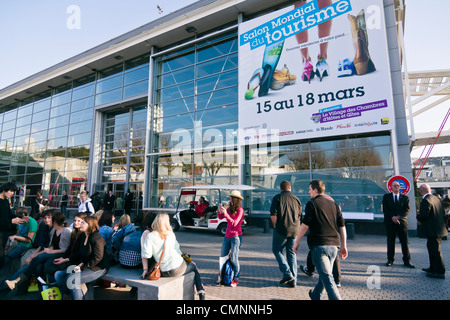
point(317, 68)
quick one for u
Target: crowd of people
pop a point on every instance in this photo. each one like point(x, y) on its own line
point(55, 251)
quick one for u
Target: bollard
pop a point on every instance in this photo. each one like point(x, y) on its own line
point(350, 230)
point(266, 225)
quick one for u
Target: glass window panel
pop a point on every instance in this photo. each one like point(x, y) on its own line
point(22, 142)
point(114, 169)
point(54, 165)
point(83, 92)
point(41, 115)
point(82, 104)
point(39, 127)
point(217, 98)
point(177, 91)
point(61, 99)
point(39, 136)
point(111, 124)
point(62, 88)
point(165, 80)
point(9, 125)
point(219, 81)
point(59, 121)
point(10, 115)
point(176, 106)
point(120, 145)
point(110, 71)
point(33, 179)
point(78, 152)
point(138, 133)
point(8, 135)
point(55, 154)
point(218, 115)
point(215, 66)
point(37, 157)
point(57, 132)
point(109, 84)
point(138, 61)
point(17, 180)
point(23, 121)
point(41, 105)
point(218, 49)
point(84, 80)
point(80, 127)
point(179, 76)
point(136, 75)
point(137, 149)
point(23, 130)
point(181, 121)
point(137, 159)
point(24, 111)
point(83, 116)
point(80, 164)
point(135, 89)
point(119, 161)
point(80, 139)
point(140, 115)
point(109, 96)
point(178, 62)
point(60, 110)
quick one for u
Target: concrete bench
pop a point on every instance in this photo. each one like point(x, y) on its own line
point(170, 288)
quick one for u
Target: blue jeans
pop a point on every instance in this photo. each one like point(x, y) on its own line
point(323, 258)
point(288, 264)
point(69, 282)
point(184, 269)
point(232, 246)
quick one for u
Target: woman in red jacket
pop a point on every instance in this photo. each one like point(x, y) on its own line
point(233, 236)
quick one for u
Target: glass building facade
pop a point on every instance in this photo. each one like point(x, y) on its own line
point(169, 118)
point(46, 141)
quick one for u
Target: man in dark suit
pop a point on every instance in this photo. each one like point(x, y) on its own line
point(396, 209)
point(109, 201)
point(431, 216)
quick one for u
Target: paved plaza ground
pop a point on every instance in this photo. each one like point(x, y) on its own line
point(364, 274)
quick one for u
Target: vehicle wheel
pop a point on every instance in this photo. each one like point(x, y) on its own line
point(174, 224)
point(222, 228)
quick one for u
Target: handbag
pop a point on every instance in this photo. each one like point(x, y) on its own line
point(155, 274)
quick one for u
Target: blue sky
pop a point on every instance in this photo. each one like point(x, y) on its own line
point(34, 34)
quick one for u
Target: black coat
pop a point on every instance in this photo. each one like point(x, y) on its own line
point(431, 216)
point(391, 209)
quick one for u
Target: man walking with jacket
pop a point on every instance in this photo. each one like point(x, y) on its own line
point(285, 213)
point(326, 225)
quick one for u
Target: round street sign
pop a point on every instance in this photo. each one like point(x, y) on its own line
point(402, 181)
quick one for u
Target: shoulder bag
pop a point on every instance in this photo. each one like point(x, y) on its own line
point(156, 272)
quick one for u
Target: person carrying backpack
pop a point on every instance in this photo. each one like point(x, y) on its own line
point(233, 236)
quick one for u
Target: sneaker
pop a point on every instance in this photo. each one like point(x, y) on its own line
point(234, 283)
point(305, 271)
point(346, 68)
point(289, 284)
point(286, 280)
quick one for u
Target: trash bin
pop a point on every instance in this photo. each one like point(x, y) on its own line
point(350, 230)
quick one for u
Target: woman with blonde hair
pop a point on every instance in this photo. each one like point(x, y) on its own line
point(172, 262)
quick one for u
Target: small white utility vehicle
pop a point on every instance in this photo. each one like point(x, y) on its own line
point(198, 205)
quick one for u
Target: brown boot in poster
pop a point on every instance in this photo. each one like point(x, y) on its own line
point(362, 61)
